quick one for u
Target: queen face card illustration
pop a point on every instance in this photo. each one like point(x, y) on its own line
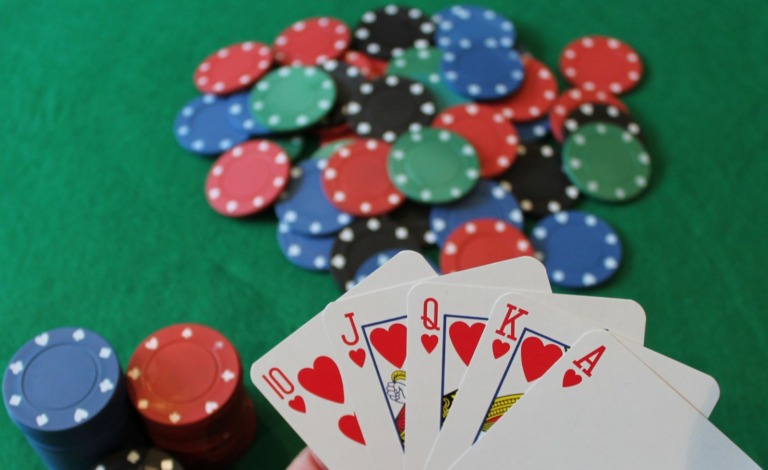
point(368, 334)
point(301, 379)
point(602, 407)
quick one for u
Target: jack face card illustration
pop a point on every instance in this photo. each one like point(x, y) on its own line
point(368, 334)
point(300, 377)
point(601, 407)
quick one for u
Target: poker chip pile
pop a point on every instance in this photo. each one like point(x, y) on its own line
point(182, 392)
point(431, 130)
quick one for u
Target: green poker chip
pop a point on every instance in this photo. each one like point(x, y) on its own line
point(606, 162)
point(423, 65)
point(292, 98)
point(415, 62)
point(324, 152)
point(433, 165)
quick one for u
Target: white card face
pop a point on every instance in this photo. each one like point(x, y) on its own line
point(699, 389)
point(301, 379)
point(600, 407)
point(622, 316)
point(524, 274)
point(368, 334)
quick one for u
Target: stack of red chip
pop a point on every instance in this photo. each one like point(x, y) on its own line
point(186, 382)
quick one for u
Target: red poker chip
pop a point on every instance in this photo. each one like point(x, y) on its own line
point(223, 453)
point(480, 242)
point(572, 99)
point(535, 96)
point(326, 135)
point(370, 67)
point(233, 68)
point(189, 436)
point(356, 181)
point(183, 375)
point(601, 63)
point(247, 178)
point(493, 137)
point(312, 41)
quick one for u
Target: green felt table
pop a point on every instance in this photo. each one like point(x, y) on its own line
point(105, 224)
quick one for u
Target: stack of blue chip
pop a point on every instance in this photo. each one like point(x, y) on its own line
point(65, 391)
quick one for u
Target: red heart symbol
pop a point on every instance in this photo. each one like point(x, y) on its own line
point(429, 342)
point(323, 379)
point(390, 343)
point(465, 338)
point(349, 426)
point(357, 356)
point(500, 348)
point(537, 358)
point(571, 378)
point(298, 404)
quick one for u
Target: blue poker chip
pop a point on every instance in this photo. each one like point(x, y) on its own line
point(579, 250)
point(488, 199)
point(533, 131)
point(239, 115)
point(202, 126)
point(308, 252)
point(482, 72)
point(473, 25)
point(60, 381)
point(303, 206)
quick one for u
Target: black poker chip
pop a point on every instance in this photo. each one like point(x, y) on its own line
point(389, 30)
point(142, 458)
point(348, 79)
point(538, 182)
point(388, 107)
point(594, 112)
point(362, 239)
point(416, 218)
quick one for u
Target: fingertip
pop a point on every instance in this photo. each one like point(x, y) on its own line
point(306, 460)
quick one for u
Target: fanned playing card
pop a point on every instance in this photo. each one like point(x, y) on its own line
point(600, 407)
